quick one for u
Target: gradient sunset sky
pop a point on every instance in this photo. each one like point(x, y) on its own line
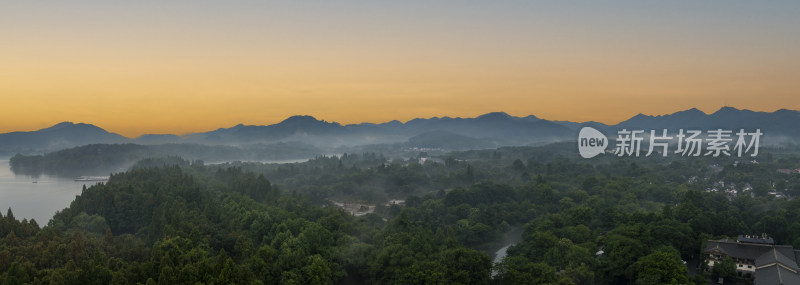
point(137, 67)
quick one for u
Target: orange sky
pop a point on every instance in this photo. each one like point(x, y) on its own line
point(191, 66)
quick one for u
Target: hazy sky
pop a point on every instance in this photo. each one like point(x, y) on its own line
point(136, 67)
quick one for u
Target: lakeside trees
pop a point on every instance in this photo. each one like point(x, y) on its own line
point(174, 222)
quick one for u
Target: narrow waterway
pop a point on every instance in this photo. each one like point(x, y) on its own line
point(510, 238)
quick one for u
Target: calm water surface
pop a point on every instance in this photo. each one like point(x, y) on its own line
point(38, 200)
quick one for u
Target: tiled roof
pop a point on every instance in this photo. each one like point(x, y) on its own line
point(775, 264)
point(738, 250)
point(773, 256)
point(775, 274)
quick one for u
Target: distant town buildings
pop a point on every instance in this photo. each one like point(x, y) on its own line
point(757, 258)
point(788, 171)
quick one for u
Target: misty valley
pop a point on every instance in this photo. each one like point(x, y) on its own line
point(400, 142)
point(495, 199)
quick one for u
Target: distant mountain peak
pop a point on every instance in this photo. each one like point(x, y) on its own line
point(74, 126)
point(685, 117)
point(494, 116)
point(692, 111)
point(58, 136)
point(59, 126)
point(299, 119)
point(786, 111)
point(726, 109)
point(304, 120)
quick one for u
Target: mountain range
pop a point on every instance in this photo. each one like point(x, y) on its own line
point(488, 130)
point(59, 136)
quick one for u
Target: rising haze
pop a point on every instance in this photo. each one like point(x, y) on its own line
point(187, 66)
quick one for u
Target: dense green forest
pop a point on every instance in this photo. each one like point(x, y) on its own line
point(172, 221)
point(99, 159)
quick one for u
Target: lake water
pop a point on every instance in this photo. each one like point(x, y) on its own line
point(38, 200)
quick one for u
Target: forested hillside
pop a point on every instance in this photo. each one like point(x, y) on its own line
point(170, 221)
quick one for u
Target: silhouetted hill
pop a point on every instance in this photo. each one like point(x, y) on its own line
point(692, 118)
point(59, 136)
point(445, 139)
point(577, 126)
point(779, 126)
point(157, 139)
point(495, 129)
point(290, 129)
point(498, 127)
point(100, 159)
